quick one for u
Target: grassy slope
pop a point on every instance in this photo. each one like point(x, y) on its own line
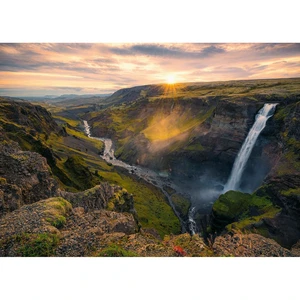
point(75, 155)
point(236, 211)
point(289, 118)
point(168, 117)
point(150, 203)
point(152, 209)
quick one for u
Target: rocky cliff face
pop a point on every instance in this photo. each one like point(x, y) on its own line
point(52, 227)
point(25, 177)
point(185, 135)
point(35, 117)
point(280, 187)
point(194, 133)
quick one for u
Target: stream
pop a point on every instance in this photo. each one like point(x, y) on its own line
point(157, 179)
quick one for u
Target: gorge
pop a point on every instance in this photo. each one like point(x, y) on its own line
point(161, 170)
point(241, 160)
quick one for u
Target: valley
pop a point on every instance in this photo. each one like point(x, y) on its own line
point(161, 155)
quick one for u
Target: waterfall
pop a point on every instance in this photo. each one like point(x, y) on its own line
point(239, 165)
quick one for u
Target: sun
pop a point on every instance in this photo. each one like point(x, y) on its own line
point(171, 79)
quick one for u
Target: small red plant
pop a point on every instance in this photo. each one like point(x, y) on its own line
point(179, 251)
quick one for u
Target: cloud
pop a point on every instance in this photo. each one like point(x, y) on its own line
point(112, 66)
point(170, 51)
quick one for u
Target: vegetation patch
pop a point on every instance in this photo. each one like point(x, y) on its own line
point(56, 210)
point(114, 250)
point(291, 192)
point(36, 245)
point(239, 211)
point(182, 204)
point(152, 208)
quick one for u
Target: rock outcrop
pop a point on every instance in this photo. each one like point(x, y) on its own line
point(281, 188)
point(73, 230)
point(248, 245)
point(52, 227)
point(26, 177)
point(103, 196)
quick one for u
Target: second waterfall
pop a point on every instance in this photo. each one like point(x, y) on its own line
point(240, 162)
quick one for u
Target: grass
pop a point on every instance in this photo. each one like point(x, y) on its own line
point(291, 192)
point(236, 210)
point(150, 204)
point(287, 118)
point(56, 210)
point(37, 245)
point(182, 204)
point(194, 147)
point(114, 250)
point(71, 122)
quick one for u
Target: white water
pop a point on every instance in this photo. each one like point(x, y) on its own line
point(192, 223)
point(239, 165)
point(156, 179)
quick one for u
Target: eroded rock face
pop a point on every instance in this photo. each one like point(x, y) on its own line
point(248, 245)
point(100, 197)
point(296, 249)
point(53, 223)
point(52, 227)
point(22, 229)
point(26, 177)
point(35, 117)
point(84, 232)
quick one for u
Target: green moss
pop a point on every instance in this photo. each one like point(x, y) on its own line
point(231, 204)
point(121, 201)
point(238, 211)
point(36, 245)
point(291, 192)
point(71, 122)
point(194, 147)
point(57, 221)
point(152, 208)
point(77, 170)
point(182, 204)
point(114, 250)
point(169, 190)
point(56, 210)
point(80, 135)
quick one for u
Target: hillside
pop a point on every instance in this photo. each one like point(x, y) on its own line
point(193, 132)
point(58, 197)
point(75, 163)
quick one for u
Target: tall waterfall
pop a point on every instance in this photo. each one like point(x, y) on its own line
point(239, 165)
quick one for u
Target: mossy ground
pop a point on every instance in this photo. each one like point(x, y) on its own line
point(288, 118)
point(37, 245)
point(150, 204)
point(182, 204)
point(56, 148)
point(114, 250)
point(56, 210)
point(239, 211)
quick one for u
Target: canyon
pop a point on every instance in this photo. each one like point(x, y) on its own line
point(189, 136)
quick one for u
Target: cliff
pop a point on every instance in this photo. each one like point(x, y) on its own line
point(279, 190)
point(193, 133)
point(182, 127)
point(53, 227)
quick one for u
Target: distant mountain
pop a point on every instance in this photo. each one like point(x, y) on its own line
point(54, 98)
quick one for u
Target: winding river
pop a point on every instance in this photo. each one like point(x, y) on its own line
point(159, 180)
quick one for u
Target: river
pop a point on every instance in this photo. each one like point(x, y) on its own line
point(157, 179)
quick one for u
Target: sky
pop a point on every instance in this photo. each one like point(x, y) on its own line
point(96, 68)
